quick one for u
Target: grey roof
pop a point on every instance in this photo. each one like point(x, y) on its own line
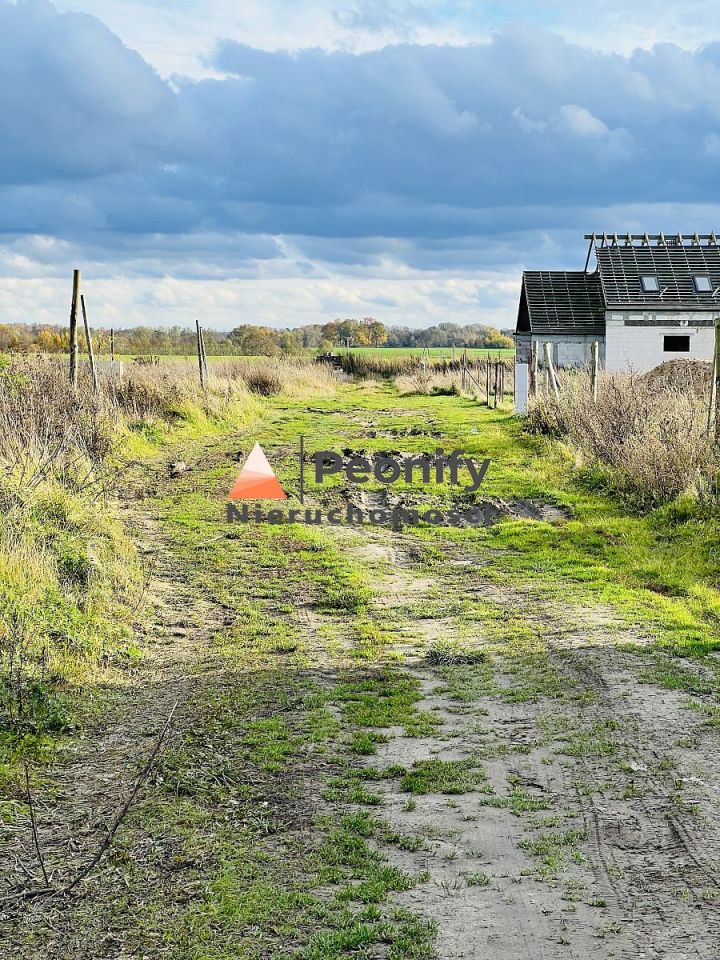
point(673, 263)
point(558, 301)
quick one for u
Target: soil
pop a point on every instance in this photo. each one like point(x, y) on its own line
point(693, 375)
point(645, 882)
point(621, 769)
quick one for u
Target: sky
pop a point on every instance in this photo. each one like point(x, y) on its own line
point(286, 162)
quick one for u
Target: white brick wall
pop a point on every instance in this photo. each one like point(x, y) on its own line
point(641, 348)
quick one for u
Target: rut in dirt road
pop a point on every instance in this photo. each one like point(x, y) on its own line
point(591, 830)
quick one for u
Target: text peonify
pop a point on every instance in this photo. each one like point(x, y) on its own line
point(440, 468)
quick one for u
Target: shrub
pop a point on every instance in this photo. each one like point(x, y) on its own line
point(263, 382)
point(647, 433)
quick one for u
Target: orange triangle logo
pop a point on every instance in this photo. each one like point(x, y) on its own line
point(257, 480)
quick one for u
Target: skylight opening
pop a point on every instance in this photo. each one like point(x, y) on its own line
point(650, 284)
point(703, 284)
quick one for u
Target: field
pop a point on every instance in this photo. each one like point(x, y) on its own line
point(440, 353)
point(384, 740)
point(436, 353)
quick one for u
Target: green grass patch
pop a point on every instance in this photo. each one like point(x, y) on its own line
point(441, 776)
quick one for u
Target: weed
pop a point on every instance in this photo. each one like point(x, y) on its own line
point(477, 879)
point(441, 776)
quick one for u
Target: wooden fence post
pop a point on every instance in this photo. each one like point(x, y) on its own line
point(200, 355)
point(91, 353)
point(204, 355)
point(594, 369)
point(715, 386)
point(551, 370)
point(487, 380)
point(112, 345)
point(73, 329)
point(535, 366)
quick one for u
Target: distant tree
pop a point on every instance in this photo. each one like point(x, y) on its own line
point(255, 341)
point(362, 335)
point(347, 331)
point(290, 341)
point(498, 341)
point(331, 332)
point(378, 333)
point(252, 339)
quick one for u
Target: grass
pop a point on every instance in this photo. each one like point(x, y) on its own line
point(554, 852)
point(70, 582)
point(72, 587)
point(441, 776)
point(658, 567)
point(260, 836)
point(478, 880)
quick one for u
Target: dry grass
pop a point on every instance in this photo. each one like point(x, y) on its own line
point(70, 579)
point(46, 429)
point(649, 433)
point(272, 376)
point(428, 383)
point(435, 382)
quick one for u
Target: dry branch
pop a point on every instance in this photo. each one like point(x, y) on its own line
point(84, 872)
point(33, 824)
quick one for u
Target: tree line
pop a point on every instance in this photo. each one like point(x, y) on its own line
point(252, 340)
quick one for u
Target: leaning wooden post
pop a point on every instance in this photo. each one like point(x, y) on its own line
point(594, 369)
point(91, 353)
point(73, 329)
point(551, 370)
point(487, 380)
point(715, 391)
point(204, 355)
point(199, 354)
point(112, 345)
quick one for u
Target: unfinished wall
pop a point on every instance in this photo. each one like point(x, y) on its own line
point(637, 341)
point(569, 351)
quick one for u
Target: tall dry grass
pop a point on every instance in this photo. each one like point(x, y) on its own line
point(48, 430)
point(648, 433)
point(70, 579)
point(438, 382)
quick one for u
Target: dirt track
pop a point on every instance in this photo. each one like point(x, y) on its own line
point(641, 795)
point(590, 827)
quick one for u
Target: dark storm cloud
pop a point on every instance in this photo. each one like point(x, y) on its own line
point(424, 144)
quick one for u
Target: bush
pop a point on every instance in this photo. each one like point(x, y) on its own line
point(263, 382)
point(648, 434)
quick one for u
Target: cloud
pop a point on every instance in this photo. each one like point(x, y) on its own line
point(580, 121)
point(74, 101)
point(321, 167)
point(175, 37)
